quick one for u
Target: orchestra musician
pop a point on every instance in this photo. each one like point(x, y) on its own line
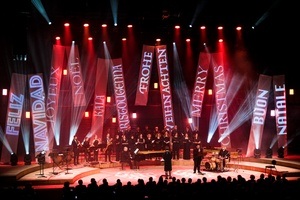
point(95, 147)
point(109, 147)
point(223, 156)
point(75, 146)
point(126, 157)
point(86, 148)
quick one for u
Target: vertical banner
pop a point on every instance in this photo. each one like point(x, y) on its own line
point(120, 94)
point(220, 96)
point(58, 53)
point(38, 113)
point(165, 86)
point(259, 114)
point(76, 78)
point(100, 98)
point(199, 86)
point(280, 108)
point(14, 116)
point(144, 76)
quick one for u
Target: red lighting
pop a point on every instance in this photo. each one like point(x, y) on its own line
point(57, 38)
point(90, 38)
point(114, 120)
point(4, 92)
point(66, 24)
point(220, 40)
point(86, 25)
point(220, 28)
point(177, 27)
point(104, 25)
point(65, 72)
point(238, 28)
point(188, 40)
point(129, 26)
point(209, 91)
point(202, 27)
point(86, 114)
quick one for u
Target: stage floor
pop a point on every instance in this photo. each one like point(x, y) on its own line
point(53, 176)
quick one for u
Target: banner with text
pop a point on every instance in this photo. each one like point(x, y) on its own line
point(38, 113)
point(220, 98)
point(120, 94)
point(76, 77)
point(58, 54)
point(200, 82)
point(14, 115)
point(259, 114)
point(280, 110)
point(144, 76)
point(165, 86)
point(100, 97)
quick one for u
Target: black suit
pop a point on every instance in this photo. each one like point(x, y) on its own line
point(197, 157)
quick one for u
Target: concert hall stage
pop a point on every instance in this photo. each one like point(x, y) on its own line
point(53, 176)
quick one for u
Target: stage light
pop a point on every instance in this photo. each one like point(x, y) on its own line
point(280, 152)
point(114, 120)
point(108, 99)
point(4, 92)
point(27, 159)
point(134, 116)
point(86, 114)
point(155, 85)
point(291, 92)
point(269, 153)
point(257, 153)
point(65, 72)
point(13, 159)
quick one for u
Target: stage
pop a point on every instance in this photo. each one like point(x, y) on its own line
point(53, 176)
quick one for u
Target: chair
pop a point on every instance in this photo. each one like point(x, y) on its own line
point(271, 167)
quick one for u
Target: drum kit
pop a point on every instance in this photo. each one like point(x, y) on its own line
point(215, 164)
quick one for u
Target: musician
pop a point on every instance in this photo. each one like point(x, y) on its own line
point(196, 140)
point(126, 157)
point(197, 158)
point(95, 147)
point(86, 148)
point(223, 156)
point(176, 146)
point(186, 142)
point(109, 147)
point(75, 147)
point(167, 157)
point(118, 146)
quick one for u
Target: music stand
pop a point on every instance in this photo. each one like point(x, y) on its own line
point(41, 161)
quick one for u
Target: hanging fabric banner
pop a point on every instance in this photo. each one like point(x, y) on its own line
point(14, 116)
point(76, 77)
point(100, 98)
point(58, 54)
point(200, 82)
point(220, 97)
point(165, 86)
point(259, 114)
point(280, 110)
point(38, 113)
point(120, 94)
point(144, 76)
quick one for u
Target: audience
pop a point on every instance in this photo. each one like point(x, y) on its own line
point(235, 188)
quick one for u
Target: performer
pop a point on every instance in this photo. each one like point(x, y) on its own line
point(197, 157)
point(126, 157)
point(186, 142)
point(95, 145)
point(167, 157)
point(176, 146)
point(75, 147)
point(86, 148)
point(223, 156)
point(109, 147)
point(118, 146)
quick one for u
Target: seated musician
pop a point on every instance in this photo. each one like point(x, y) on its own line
point(223, 156)
point(126, 157)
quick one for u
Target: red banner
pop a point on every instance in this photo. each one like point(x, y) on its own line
point(100, 98)
point(280, 108)
point(259, 114)
point(76, 77)
point(144, 76)
point(14, 116)
point(220, 96)
point(120, 94)
point(199, 86)
point(58, 54)
point(38, 113)
point(165, 86)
